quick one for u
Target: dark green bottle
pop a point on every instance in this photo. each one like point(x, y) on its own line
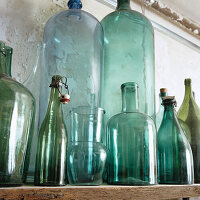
point(52, 142)
point(189, 118)
point(131, 143)
point(175, 161)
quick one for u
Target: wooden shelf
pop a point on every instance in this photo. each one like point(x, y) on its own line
point(100, 192)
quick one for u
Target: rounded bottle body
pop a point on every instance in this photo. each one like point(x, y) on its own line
point(17, 115)
point(189, 119)
point(175, 161)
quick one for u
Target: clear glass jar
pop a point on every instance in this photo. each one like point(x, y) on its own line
point(86, 163)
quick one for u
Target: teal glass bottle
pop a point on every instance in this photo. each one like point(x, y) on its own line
point(175, 161)
point(50, 167)
point(17, 115)
point(131, 143)
point(128, 57)
point(189, 118)
point(159, 114)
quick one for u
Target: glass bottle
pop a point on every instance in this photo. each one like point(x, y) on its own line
point(52, 142)
point(189, 118)
point(131, 142)
point(17, 115)
point(128, 56)
point(175, 161)
point(73, 47)
point(159, 115)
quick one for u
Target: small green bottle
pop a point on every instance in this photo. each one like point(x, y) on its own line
point(52, 142)
point(189, 118)
point(175, 161)
point(159, 114)
point(131, 143)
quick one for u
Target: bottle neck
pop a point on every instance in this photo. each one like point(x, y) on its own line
point(188, 91)
point(162, 94)
point(123, 5)
point(5, 61)
point(130, 98)
point(54, 101)
point(169, 111)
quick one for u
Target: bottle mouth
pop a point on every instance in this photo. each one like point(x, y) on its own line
point(169, 100)
point(188, 81)
point(129, 84)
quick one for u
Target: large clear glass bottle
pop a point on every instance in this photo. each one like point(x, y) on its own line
point(189, 118)
point(159, 114)
point(128, 57)
point(73, 41)
point(17, 115)
point(175, 161)
point(131, 142)
point(50, 164)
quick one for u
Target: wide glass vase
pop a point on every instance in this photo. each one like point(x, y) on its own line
point(86, 163)
point(128, 57)
point(131, 141)
point(17, 115)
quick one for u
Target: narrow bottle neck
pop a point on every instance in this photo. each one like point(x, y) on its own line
point(162, 94)
point(54, 101)
point(123, 5)
point(5, 63)
point(169, 111)
point(188, 91)
point(130, 99)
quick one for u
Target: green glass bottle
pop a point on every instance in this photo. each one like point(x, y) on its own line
point(50, 164)
point(17, 115)
point(131, 143)
point(159, 115)
point(175, 161)
point(128, 57)
point(189, 118)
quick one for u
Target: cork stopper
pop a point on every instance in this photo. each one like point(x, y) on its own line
point(163, 90)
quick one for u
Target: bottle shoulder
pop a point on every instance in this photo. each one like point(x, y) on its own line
point(129, 15)
point(9, 87)
point(65, 20)
point(130, 117)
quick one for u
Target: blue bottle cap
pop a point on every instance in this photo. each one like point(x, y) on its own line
point(74, 4)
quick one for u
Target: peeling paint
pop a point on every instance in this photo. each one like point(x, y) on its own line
point(173, 16)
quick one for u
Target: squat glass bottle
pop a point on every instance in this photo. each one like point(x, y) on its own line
point(50, 164)
point(128, 57)
point(189, 118)
point(131, 142)
point(17, 115)
point(175, 161)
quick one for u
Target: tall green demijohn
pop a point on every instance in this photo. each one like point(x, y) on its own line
point(175, 161)
point(50, 164)
point(131, 143)
point(128, 57)
point(189, 118)
point(17, 115)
